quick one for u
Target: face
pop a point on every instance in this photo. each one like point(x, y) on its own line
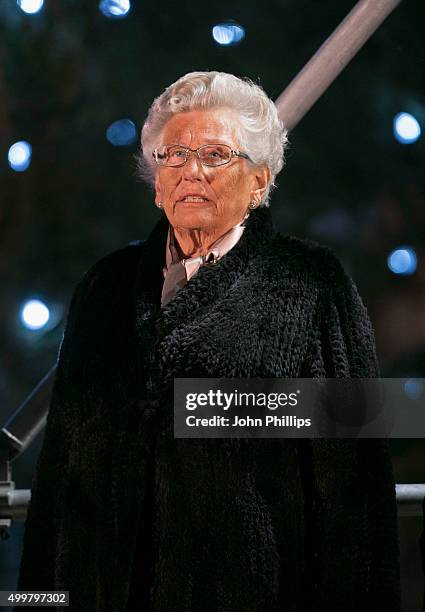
point(228, 189)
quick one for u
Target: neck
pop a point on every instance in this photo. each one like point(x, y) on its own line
point(196, 242)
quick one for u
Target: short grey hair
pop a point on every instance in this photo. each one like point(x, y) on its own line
point(261, 133)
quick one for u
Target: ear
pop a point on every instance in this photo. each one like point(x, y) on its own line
point(157, 190)
point(261, 180)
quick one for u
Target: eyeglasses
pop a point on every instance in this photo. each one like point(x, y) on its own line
point(209, 155)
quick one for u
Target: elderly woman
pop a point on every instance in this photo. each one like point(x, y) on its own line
point(126, 517)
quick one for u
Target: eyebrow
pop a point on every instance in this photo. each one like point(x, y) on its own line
point(208, 141)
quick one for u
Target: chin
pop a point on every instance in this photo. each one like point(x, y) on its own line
point(194, 219)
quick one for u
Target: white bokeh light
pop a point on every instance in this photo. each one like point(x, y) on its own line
point(228, 33)
point(402, 261)
point(19, 156)
point(30, 6)
point(34, 314)
point(114, 9)
point(406, 128)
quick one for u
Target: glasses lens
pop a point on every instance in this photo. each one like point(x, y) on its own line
point(171, 155)
point(210, 155)
point(215, 155)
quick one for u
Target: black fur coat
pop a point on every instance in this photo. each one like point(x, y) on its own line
point(125, 517)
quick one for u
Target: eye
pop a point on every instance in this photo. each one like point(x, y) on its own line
point(216, 154)
point(176, 153)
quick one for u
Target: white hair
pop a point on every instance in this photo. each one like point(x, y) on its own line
point(261, 133)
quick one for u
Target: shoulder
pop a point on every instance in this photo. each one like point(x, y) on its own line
point(99, 292)
point(308, 260)
point(95, 316)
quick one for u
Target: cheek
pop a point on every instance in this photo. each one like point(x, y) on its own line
point(167, 186)
point(233, 186)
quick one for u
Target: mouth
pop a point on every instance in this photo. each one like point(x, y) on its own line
point(193, 198)
point(197, 200)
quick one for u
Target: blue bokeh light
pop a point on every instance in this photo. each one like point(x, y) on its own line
point(402, 261)
point(19, 156)
point(228, 33)
point(34, 314)
point(30, 6)
point(413, 388)
point(406, 128)
point(114, 9)
point(122, 133)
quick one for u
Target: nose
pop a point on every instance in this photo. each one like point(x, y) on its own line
point(193, 168)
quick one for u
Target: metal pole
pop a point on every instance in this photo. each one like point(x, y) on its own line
point(410, 498)
point(29, 419)
point(331, 58)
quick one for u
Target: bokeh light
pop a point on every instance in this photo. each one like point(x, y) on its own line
point(402, 261)
point(122, 133)
point(19, 156)
point(114, 9)
point(228, 33)
point(413, 388)
point(406, 128)
point(34, 314)
point(30, 6)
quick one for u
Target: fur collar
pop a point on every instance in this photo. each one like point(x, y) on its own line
point(153, 323)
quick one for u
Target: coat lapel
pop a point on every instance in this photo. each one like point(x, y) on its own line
point(199, 304)
point(213, 280)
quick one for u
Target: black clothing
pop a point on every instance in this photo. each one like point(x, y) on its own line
point(225, 525)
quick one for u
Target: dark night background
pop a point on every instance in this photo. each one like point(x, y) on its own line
point(68, 72)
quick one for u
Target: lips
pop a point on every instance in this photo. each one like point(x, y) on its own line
point(193, 197)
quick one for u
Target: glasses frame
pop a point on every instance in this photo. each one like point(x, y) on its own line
point(233, 153)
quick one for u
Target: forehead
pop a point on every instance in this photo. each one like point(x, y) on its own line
point(198, 127)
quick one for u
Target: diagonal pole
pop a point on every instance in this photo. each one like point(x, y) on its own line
point(331, 59)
